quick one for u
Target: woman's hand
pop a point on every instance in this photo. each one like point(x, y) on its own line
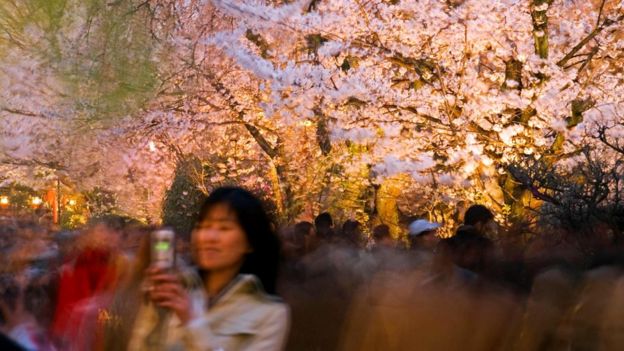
point(165, 290)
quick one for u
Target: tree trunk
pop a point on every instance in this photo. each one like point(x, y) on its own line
point(387, 207)
point(540, 26)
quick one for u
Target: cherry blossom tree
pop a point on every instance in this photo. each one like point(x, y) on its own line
point(450, 93)
point(360, 107)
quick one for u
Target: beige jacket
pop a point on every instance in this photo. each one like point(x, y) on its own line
point(243, 318)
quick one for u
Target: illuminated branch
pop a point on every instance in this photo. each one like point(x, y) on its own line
point(322, 132)
point(599, 28)
point(264, 144)
point(602, 136)
point(590, 56)
point(260, 42)
point(33, 162)
point(527, 182)
point(513, 75)
point(542, 196)
point(23, 113)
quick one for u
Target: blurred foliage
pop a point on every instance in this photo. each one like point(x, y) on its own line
point(116, 72)
point(184, 198)
point(74, 211)
point(21, 20)
point(20, 197)
point(349, 192)
point(103, 51)
point(193, 180)
point(582, 200)
point(72, 219)
point(98, 202)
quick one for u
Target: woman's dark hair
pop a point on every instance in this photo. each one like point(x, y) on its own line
point(263, 260)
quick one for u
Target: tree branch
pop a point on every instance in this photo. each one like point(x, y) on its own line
point(540, 26)
point(605, 24)
point(602, 136)
point(30, 163)
point(23, 112)
point(221, 89)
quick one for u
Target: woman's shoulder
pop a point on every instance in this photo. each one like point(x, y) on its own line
point(249, 296)
point(266, 309)
point(250, 286)
point(248, 309)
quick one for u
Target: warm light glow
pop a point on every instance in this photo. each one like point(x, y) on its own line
point(36, 201)
point(4, 200)
point(71, 202)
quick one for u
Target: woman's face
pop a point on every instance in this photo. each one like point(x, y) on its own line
point(219, 242)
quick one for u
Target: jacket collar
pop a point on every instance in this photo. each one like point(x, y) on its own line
point(241, 284)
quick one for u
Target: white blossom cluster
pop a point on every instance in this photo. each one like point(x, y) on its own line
point(445, 92)
point(428, 84)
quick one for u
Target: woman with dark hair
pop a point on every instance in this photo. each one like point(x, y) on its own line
point(237, 254)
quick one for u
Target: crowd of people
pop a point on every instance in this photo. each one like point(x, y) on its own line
point(338, 288)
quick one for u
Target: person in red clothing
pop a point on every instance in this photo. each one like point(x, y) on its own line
point(94, 271)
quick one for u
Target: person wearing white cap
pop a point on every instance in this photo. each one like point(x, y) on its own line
point(422, 235)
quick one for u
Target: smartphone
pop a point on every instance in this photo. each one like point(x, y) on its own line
point(163, 249)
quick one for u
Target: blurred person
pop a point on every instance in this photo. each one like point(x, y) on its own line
point(321, 296)
point(306, 229)
point(133, 240)
point(382, 237)
point(95, 270)
point(109, 314)
point(471, 248)
point(298, 239)
point(589, 315)
point(463, 260)
point(423, 235)
point(546, 324)
point(27, 285)
point(387, 254)
point(482, 220)
point(295, 247)
point(610, 331)
point(468, 249)
point(234, 307)
point(404, 310)
point(116, 323)
point(21, 317)
point(351, 234)
point(324, 226)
